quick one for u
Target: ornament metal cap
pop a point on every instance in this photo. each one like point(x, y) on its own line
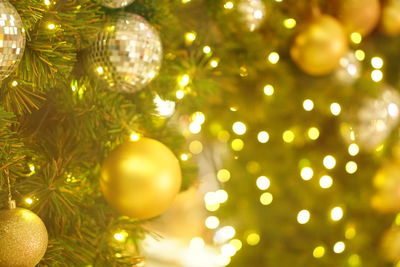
point(12, 204)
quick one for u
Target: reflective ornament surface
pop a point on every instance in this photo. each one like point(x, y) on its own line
point(360, 16)
point(387, 185)
point(349, 69)
point(390, 245)
point(253, 13)
point(12, 39)
point(140, 179)
point(390, 22)
point(127, 55)
point(23, 238)
point(116, 3)
point(370, 123)
point(319, 46)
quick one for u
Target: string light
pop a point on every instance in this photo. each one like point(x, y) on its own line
point(228, 250)
point(164, 108)
point(266, 198)
point(356, 37)
point(329, 162)
point(190, 37)
point(14, 83)
point(273, 57)
point(351, 167)
point(308, 105)
point(269, 90)
point(223, 175)
point(350, 232)
point(184, 157)
point(313, 133)
point(239, 128)
point(289, 23)
point(335, 109)
point(263, 137)
point(354, 260)
point(303, 216)
point(237, 144)
point(325, 181)
point(360, 54)
point(180, 94)
point(236, 243)
point(228, 5)
point(377, 62)
point(336, 214)
point(288, 136)
point(121, 236)
point(319, 252)
point(306, 173)
point(353, 149)
point(184, 80)
point(253, 239)
point(134, 136)
point(212, 222)
point(339, 247)
point(206, 49)
point(263, 183)
point(221, 195)
point(51, 26)
point(29, 201)
point(214, 63)
point(185, 1)
point(224, 234)
point(377, 75)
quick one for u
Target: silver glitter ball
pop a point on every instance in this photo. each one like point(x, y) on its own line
point(116, 3)
point(127, 55)
point(349, 69)
point(253, 13)
point(372, 122)
point(12, 39)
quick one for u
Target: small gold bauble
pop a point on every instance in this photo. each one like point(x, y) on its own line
point(141, 179)
point(23, 238)
point(360, 16)
point(390, 245)
point(387, 184)
point(319, 46)
point(390, 23)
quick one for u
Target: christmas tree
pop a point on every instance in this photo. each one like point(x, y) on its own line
point(282, 114)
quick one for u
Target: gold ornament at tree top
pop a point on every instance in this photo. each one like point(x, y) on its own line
point(140, 179)
point(319, 46)
point(360, 16)
point(23, 238)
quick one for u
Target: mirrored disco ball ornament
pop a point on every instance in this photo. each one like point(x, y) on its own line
point(116, 3)
point(349, 69)
point(127, 55)
point(372, 122)
point(253, 13)
point(12, 39)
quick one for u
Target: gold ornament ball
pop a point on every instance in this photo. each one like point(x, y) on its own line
point(387, 185)
point(390, 23)
point(23, 238)
point(360, 16)
point(319, 46)
point(141, 179)
point(390, 245)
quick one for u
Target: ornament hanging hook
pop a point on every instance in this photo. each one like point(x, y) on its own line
point(11, 202)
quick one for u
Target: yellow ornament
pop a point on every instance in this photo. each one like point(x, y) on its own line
point(23, 238)
point(141, 179)
point(390, 23)
point(387, 184)
point(360, 16)
point(319, 46)
point(390, 245)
